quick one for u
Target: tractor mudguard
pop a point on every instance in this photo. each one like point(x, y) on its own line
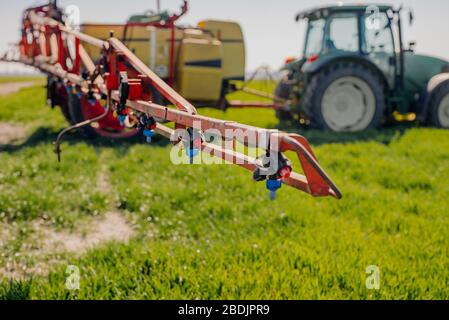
point(311, 68)
point(293, 65)
point(433, 84)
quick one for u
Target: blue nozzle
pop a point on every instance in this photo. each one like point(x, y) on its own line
point(149, 134)
point(273, 186)
point(191, 153)
point(121, 119)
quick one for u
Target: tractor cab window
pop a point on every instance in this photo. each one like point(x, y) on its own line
point(378, 35)
point(343, 34)
point(314, 41)
point(378, 43)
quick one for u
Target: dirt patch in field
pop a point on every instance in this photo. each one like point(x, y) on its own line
point(103, 183)
point(13, 87)
point(113, 227)
point(45, 248)
point(10, 133)
point(6, 233)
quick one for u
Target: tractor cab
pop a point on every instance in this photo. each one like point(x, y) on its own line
point(363, 31)
point(355, 70)
point(150, 17)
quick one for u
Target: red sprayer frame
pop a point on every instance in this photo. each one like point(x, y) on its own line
point(128, 85)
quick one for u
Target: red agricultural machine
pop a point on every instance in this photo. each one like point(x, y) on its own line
point(115, 96)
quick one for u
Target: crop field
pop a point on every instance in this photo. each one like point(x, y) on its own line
point(138, 227)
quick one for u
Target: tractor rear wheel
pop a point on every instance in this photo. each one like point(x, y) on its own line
point(283, 92)
point(81, 109)
point(439, 107)
point(345, 97)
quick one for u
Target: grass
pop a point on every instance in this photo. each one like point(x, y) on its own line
point(6, 79)
point(209, 232)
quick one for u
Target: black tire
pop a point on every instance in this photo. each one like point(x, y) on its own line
point(435, 103)
point(76, 114)
point(313, 96)
point(283, 91)
point(55, 99)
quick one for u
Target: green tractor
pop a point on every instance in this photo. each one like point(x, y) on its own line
point(355, 73)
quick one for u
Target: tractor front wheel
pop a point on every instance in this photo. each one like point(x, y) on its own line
point(345, 97)
point(439, 107)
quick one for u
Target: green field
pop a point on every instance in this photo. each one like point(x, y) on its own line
point(209, 232)
point(19, 79)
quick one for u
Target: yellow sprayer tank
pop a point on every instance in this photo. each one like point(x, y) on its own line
point(100, 31)
point(152, 46)
point(205, 58)
point(200, 71)
point(231, 36)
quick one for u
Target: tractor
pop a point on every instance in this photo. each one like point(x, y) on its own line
point(356, 73)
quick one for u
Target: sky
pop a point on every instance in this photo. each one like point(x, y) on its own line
point(271, 33)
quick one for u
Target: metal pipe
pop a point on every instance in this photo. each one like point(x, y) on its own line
point(80, 125)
